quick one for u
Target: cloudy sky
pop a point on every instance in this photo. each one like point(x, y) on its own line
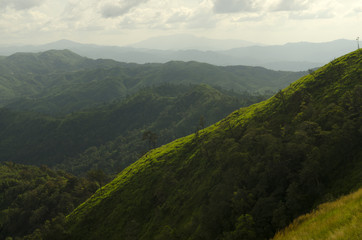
point(121, 22)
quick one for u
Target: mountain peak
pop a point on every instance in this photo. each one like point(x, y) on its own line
point(62, 44)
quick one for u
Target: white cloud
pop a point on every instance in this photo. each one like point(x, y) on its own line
point(250, 18)
point(310, 15)
point(179, 15)
point(202, 20)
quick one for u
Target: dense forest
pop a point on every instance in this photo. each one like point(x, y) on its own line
point(244, 177)
point(31, 196)
point(84, 122)
point(112, 136)
point(75, 113)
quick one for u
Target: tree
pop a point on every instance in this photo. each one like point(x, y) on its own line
point(244, 229)
point(151, 137)
point(97, 175)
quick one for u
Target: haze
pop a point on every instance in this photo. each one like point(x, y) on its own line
point(122, 22)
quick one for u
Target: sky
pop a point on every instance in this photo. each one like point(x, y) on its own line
point(122, 22)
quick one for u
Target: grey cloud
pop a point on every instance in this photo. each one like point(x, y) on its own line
point(111, 11)
point(123, 7)
point(20, 4)
point(233, 6)
point(358, 10)
point(354, 12)
point(291, 5)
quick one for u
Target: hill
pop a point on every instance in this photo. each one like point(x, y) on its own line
point(246, 176)
point(341, 219)
point(168, 111)
point(24, 75)
point(58, 82)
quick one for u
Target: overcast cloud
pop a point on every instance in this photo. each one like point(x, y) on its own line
point(119, 8)
point(19, 4)
point(292, 5)
point(233, 6)
point(122, 22)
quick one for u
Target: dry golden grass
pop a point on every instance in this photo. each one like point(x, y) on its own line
point(341, 219)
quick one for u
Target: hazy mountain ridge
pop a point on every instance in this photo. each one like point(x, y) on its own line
point(288, 57)
point(245, 176)
point(59, 81)
point(185, 41)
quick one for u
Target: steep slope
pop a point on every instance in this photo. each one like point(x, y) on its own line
point(341, 219)
point(169, 111)
point(244, 177)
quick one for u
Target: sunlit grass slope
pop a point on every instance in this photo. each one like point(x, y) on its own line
point(341, 219)
point(244, 177)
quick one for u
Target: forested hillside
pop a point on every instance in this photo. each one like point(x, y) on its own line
point(29, 75)
point(30, 196)
point(114, 135)
point(58, 82)
point(246, 176)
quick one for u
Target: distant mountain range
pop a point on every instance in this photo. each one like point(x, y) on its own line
point(186, 41)
point(60, 80)
point(289, 57)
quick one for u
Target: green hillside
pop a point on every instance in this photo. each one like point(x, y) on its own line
point(341, 219)
point(51, 61)
point(58, 82)
point(111, 135)
point(246, 176)
point(30, 74)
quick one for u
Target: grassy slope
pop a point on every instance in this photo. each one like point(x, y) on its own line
point(341, 219)
point(186, 189)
